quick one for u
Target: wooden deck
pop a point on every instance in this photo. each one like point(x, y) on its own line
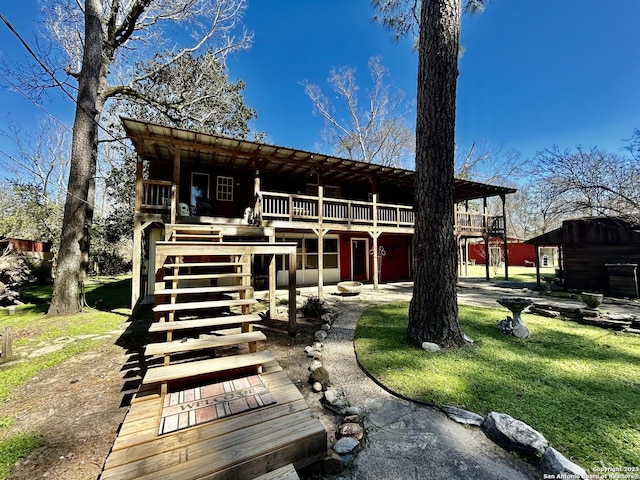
point(241, 446)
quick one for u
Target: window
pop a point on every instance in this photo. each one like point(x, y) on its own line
point(224, 189)
point(307, 253)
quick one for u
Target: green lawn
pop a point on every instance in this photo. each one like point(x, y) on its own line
point(516, 274)
point(578, 385)
point(31, 325)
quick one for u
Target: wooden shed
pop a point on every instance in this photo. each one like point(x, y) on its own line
point(598, 254)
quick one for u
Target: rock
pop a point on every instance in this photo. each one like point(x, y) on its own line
point(326, 317)
point(513, 434)
point(320, 336)
point(353, 430)
point(467, 338)
point(326, 327)
point(316, 364)
point(347, 459)
point(320, 375)
point(554, 463)
point(430, 347)
point(352, 418)
point(316, 355)
point(332, 463)
point(346, 445)
point(308, 349)
point(317, 346)
point(353, 410)
point(461, 415)
point(336, 400)
point(317, 387)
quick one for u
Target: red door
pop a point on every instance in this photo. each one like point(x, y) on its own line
point(360, 259)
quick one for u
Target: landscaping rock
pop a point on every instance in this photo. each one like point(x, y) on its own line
point(326, 327)
point(326, 318)
point(467, 338)
point(505, 326)
point(353, 430)
point(430, 347)
point(336, 400)
point(352, 418)
point(554, 463)
point(317, 387)
point(346, 445)
point(317, 346)
point(321, 376)
point(316, 364)
point(514, 434)
point(353, 410)
point(461, 415)
point(320, 336)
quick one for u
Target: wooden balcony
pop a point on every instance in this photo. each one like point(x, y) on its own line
point(307, 211)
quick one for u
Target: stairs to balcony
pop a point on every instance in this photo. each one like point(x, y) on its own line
point(203, 302)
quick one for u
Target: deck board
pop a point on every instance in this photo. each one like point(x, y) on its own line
point(246, 445)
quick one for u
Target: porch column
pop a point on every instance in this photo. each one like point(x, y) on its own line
point(272, 279)
point(137, 262)
point(139, 187)
point(503, 197)
point(257, 197)
point(176, 177)
point(487, 256)
point(292, 293)
point(320, 233)
point(537, 262)
point(466, 257)
point(374, 250)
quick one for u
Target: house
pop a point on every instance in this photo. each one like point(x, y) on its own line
point(349, 220)
point(598, 254)
point(520, 253)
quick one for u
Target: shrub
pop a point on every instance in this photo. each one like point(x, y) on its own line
point(314, 307)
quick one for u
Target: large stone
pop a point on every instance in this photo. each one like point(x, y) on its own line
point(353, 430)
point(320, 375)
point(336, 400)
point(554, 463)
point(332, 464)
point(461, 415)
point(346, 445)
point(514, 434)
point(316, 364)
point(430, 347)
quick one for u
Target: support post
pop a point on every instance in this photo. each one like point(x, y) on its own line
point(136, 264)
point(320, 232)
point(503, 197)
point(376, 263)
point(537, 263)
point(292, 294)
point(272, 280)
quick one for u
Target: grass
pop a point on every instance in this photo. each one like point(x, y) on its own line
point(32, 326)
point(516, 274)
point(578, 385)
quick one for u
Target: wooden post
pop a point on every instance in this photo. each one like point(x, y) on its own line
point(176, 179)
point(376, 262)
point(139, 187)
point(7, 344)
point(136, 263)
point(272, 280)
point(320, 232)
point(537, 262)
point(487, 256)
point(292, 294)
point(503, 197)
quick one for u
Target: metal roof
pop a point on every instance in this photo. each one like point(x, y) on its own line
point(153, 141)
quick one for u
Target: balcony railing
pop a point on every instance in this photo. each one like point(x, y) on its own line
point(292, 208)
point(156, 195)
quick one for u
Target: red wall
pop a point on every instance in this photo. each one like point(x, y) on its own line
point(395, 262)
point(518, 253)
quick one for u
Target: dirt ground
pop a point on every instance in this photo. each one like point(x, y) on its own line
point(79, 406)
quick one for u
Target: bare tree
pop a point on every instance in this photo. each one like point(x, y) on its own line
point(376, 133)
point(36, 190)
point(102, 41)
point(588, 183)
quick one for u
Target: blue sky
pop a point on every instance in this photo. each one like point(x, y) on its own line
point(534, 73)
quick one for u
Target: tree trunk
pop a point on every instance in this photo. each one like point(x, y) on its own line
point(433, 314)
point(78, 209)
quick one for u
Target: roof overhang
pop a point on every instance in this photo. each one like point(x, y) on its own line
point(160, 142)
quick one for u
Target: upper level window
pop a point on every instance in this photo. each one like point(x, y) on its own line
point(224, 189)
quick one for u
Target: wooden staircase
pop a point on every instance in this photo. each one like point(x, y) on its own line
point(199, 298)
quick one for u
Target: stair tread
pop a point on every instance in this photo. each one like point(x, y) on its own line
point(222, 288)
point(190, 344)
point(201, 367)
point(205, 264)
point(172, 307)
point(202, 276)
point(204, 322)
